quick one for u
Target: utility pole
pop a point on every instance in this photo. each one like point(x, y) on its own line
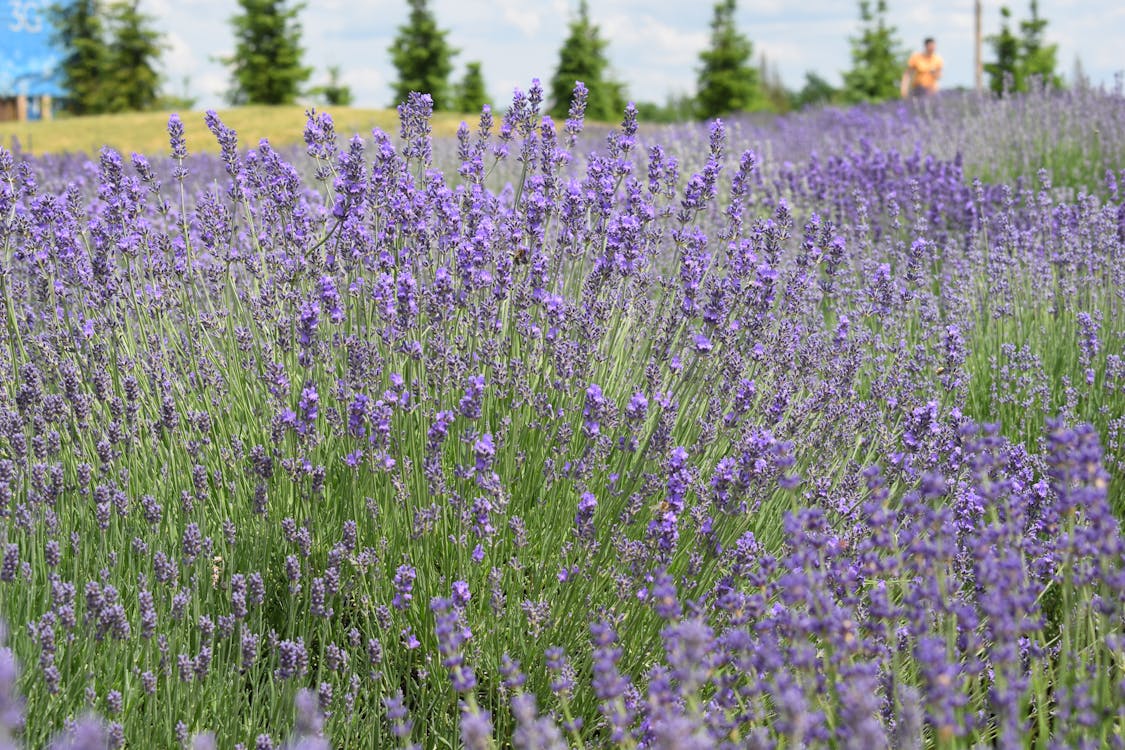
point(978, 64)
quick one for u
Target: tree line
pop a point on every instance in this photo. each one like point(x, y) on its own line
point(112, 52)
point(111, 55)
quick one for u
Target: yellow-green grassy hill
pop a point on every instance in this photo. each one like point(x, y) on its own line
point(146, 132)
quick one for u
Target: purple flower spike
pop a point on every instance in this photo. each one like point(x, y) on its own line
point(577, 112)
point(414, 126)
point(594, 411)
point(476, 729)
point(484, 450)
point(461, 595)
point(11, 703)
point(310, 720)
point(470, 405)
point(228, 141)
point(87, 733)
point(320, 135)
point(452, 633)
point(398, 716)
point(404, 586)
point(584, 518)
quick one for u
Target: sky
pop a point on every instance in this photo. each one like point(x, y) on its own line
point(654, 45)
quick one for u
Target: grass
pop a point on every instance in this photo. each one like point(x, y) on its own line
point(145, 132)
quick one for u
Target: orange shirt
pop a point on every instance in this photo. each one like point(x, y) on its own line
point(926, 69)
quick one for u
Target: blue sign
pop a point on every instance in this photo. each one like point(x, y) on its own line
point(29, 61)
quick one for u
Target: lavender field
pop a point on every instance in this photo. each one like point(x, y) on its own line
point(803, 433)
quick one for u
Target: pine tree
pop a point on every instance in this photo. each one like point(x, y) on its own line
point(582, 57)
point(422, 57)
point(728, 82)
point(134, 52)
point(876, 58)
point(676, 108)
point(180, 100)
point(815, 92)
point(1039, 60)
point(778, 98)
point(471, 92)
point(1079, 79)
point(1021, 59)
point(334, 93)
point(266, 65)
point(79, 31)
point(1004, 70)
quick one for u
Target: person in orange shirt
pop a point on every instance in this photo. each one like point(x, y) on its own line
point(922, 71)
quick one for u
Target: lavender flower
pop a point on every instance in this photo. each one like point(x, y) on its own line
point(398, 716)
point(177, 140)
point(11, 703)
point(292, 660)
point(451, 635)
point(470, 404)
point(404, 586)
point(476, 729)
point(665, 527)
point(10, 563)
point(594, 411)
point(87, 733)
point(584, 519)
point(534, 731)
point(841, 431)
point(1088, 341)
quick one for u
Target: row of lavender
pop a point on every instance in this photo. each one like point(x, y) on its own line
point(552, 442)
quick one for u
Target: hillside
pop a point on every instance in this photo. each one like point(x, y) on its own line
point(145, 131)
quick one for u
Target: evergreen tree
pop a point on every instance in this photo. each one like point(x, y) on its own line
point(471, 92)
point(1039, 60)
point(676, 108)
point(582, 57)
point(1003, 71)
point(815, 92)
point(1078, 76)
point(266, 65)
point(422, 57)
point(1021, 59)
point(178, 101)
point(877, 58)
point(79, 31)
point(335, 93)
point(728, 82)
point(134, 52)
point(778, 98)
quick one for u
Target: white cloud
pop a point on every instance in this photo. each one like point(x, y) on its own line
point(653, 38)
point(521, 15)
point(212, 85)
point(367, 83)
point(178, 57)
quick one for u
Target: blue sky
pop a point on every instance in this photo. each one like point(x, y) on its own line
point(653, 44)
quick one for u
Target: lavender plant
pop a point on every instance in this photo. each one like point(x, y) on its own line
point(536, 440)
